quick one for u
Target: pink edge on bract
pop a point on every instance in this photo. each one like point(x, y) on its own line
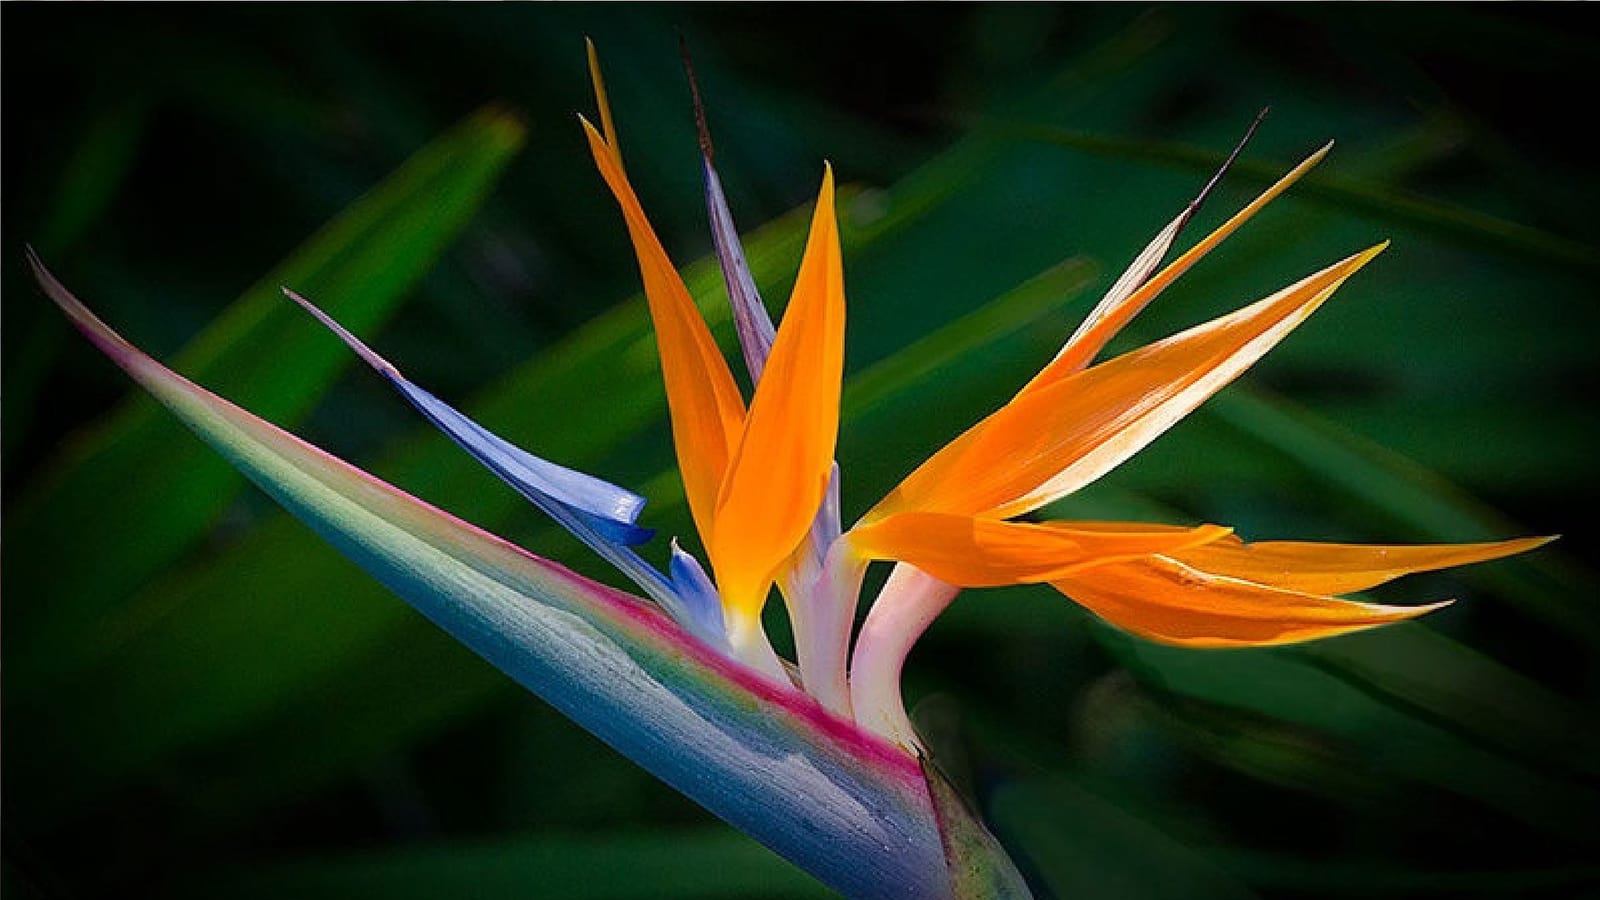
point(846, 734)
point(160, 380)
point(152, 374)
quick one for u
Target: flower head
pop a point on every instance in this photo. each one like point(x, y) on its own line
point(761, 480)
point(757, 479)
point(694, 673)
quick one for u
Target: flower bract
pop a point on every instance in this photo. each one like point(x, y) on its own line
point(817, 756)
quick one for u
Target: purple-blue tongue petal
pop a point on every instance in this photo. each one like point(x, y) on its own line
point(699, 595)
point(610, 510)
point(596, 512)
point(750, 317)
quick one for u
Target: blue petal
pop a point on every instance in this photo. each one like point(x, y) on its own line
point(596, 512)
point(611, 509)
point(750, 317)
point(698, 593)
point(608, 509)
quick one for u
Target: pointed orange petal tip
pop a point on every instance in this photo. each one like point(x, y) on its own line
point(1514, 546)
point(1138, 287)
point(1321, 568)
point(599, 82)
point(704, 403)
point(1166, 601)
point(1050, 441)
point(779, 472)
point(982, 552)
point(1353, 263)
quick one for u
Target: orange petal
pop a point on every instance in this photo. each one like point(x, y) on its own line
point(707, 410)
point(978, 552)
point(1120, 306)
point(1165, 600)
point(1339, 568)
point(1136, 275)
point(1050, 441)
point(780, 470)
point(607, 127)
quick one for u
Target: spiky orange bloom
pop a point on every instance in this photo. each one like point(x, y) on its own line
point(762, 487)
point(758, 480)
point(1074, 422)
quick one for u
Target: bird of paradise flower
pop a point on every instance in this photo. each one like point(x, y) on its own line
point(817, 758)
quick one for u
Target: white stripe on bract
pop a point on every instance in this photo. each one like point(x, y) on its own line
point(1130, 440)
point(1143, 266)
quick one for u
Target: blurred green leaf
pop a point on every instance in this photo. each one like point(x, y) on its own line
point(662, 864)
point(1345, 193)
point(1282, 685)
point(990, 323)
point(1408, 493)
point(91, 177)
point(1444, 682)
point(168, 489)
point(1082, 845)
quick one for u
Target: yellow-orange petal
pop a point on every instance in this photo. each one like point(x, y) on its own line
point(1167, 601)
point(607, 127)
point(1048, 442)
point(979, 552)
point(779, 473)
point(703, 399)
point(1119, 307)
point(1316, 568)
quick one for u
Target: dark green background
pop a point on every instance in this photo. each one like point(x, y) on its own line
point(200, 701)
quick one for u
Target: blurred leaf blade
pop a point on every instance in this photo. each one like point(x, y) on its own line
point(1282, 686)
point(1449, 684)
point(92, 176)
point(1083, 845)
point(1376, 878)
point(669, 864)
point(169, 488)
point(1346, 192)
point(89, 182)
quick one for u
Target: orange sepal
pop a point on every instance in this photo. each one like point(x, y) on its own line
point(1119, 308)
point(1051, 441)
point(979, 552)
point(1167, 601)
point(778, 475)
point(702, 397)
point(1316, 568)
